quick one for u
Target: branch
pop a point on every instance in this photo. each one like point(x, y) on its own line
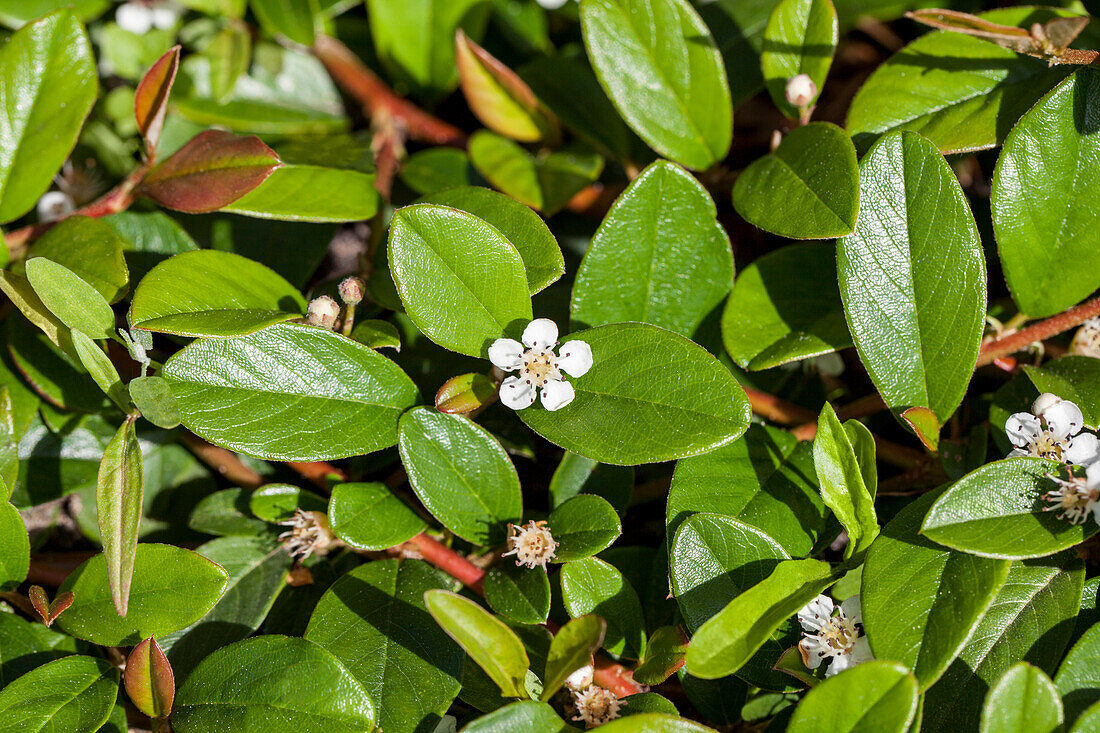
point(1020, 340)
point(225, 462)
point(777, 410)
point(447, 560)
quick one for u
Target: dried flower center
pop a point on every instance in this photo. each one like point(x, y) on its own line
point(538, 365)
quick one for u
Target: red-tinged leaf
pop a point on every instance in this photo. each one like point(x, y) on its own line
point(924, 425)
point(151, 98)
point(119, 492)
point(212, 170)
point(59, 604)
point(149, 680)
point(49, 611)
point(464, 394)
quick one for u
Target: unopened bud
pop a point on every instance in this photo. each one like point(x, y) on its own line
point(149, 680)
point(801, 91)
point(54, 205)
point(323, 311)
point(351, 290)
point(581, 678)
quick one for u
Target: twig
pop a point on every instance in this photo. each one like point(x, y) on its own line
point(1040, 331)
point(225, 462)
point(777, 410)
point(446, 559)
point(318, 472)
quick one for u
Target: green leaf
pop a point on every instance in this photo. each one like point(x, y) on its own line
point(526, 715)
point(542, 258)
point(278, 502)
point(16, 15)
point(22, 295)
point(76, 303)
point(1023, 700)
point(1089, 720)
point(460, 300)
point(920, 601)
point(118, 504)
point(800, 38)
point(962, 93)
point(728, 640)
point(654, 723)
point(28, 645)
point(660, 234)
point(1030, 619)
point(583, 526)
point(912, 277)
point(461, 474)
point(226, 513)
point(171, 588)
point(434, 170)
point(519, 594)
point(593, 586)
point(661, 68)
point(310, 193)
point(874, 697)
point(211, 293)
point(15, 548)
point(154, 399)
point(651, 395)
point(1043, 218)
point(229, 54)
point(487, 640)
point(49, 80)
point(663, 656)
point(147, 240)
point(840, 462)
point(290, 392)
point(9, 440)
point(220, 695)
point(373, 619)
point(808, 188)
point(290, 18)
point(101, 369)
point(1078, 679)
point(998, 511)
point(370, 517)
point(377, 334)
point(577, 475)
point(571, 649)
point(1073, 378)
point(72, 694)
point(89, 248)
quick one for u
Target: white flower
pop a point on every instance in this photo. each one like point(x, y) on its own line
point(1052, 430)
point(532, 544)
point(538, 366)
point(323, 311)
point(309, 533)
point(834, 632)
point(552, 4)
point(596, 705)
point(54, 205)
point(580, 678)
point(1086, 342)
point(141, 17)
point(801, 90)
point(1077, 496)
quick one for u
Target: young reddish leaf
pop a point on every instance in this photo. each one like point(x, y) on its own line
point(49, 611)
point(464, 394)
point(151, 98)
point(925, 425)
point(212, 170)
point(149, 680)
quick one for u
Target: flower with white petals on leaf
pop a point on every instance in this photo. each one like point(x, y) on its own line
point(596, 705)
point(539, 367)
point(1077, 497)
point(1052, 430)
point(532, 544)
point(833, 632)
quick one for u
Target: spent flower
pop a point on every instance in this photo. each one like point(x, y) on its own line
point(532, 544)
point(309, 534)
point(54, 205)
point(1052, 430)
point(1086, 342)
point(596, 705)
point(1076, 497)
point(539, 367)
point(833, 632)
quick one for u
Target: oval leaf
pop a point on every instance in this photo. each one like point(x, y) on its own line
point(151, 97)
point(15, 548)
point(310, 193)
point(571, 649)
point(800, 38)
point(119, 491)
point(370, 517)
point(874, 697)
point(593, 586)
point(76, 303)
point(518, 593)
point(1022, 701)
point(583, 526)
point(1078, 678)
point(71, 694)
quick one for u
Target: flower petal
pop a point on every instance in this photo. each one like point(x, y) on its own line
point(839, 664)
point(1044, 402)
point(1092, 477)
point(809, 648)
point(507, 354)
point(1063, 419)
point(541, 333)
point(1083, 450)
point(815, 613)
point(517, 393)
point(574, 358)
point(861, 651)
point(1023, 429)
point(852, 609)
point(557, 394)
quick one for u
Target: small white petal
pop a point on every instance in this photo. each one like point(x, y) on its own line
point(1018, 452)
point(1092, 476)
point(838, 665)
point(552, 4)
point(164, 17)
point(861, 651)
point(1063, 419)
point(541, 333)
point(516, 393)
point(1023, 429)
point(1083, 450)
point(134, 17)
point(852, 609)
point(581, 678)
point(574, 358)
point(810, 649)
point(54, 205)
point(815, 613)
point(557, 394)
point(507, 354)
point(1043, 402)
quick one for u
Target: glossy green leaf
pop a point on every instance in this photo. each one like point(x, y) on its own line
point(488, 641)
point(651, 395)
point(220, 695)
point(48, 74)
point(373, 619)
point(840, 462)
point(26, 645)
point(525, 715)
point(664, 655)
point(1078, 679)
point(874, 697)
point(593, 586)
point(461, 474)
point(766, 480)
point(808, 188)
point(154, 399)
point(9, 441)
point(542, 258)
point(660, 234)
point(290, 392)
point(998, 511)
point(1023, 700)
point(435, 170)
point(800, 38)
point(89, 248)
point(912, 277)
point(278, 502)
point(171, 588)
point(101, 369)
point(577, 475)
point(211, 293)
point(571, 649)
point(15, 548)
point(22, 296)
point(310, 193)
point(658, 63)
point(1073, 378)
point(1030, 619)
point(72, 694)
point(1044, 220)
point(226, 513)
point(1089, 720)
point(583, 526)
point(728, 640)
point(370, 517)
point(461, 302)
point(290, 18)
point(654, 723)
point(75, 303)
point(118, 506)
point(377, 334)
point(518, 593)
point(921, 601)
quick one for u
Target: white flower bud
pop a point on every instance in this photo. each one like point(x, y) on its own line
point(134, 17)
point(801, 91)
point(54, 205)
point(323, 311)
point(351, 290)
point(580, 679)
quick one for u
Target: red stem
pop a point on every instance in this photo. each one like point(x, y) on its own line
point(1020, 340)
point(449, 561)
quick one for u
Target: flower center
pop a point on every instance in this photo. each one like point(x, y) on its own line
point(1047, 446)
point(538, 365)
point(839, 634)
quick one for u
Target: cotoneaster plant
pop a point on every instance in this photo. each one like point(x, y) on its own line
point(384, 366)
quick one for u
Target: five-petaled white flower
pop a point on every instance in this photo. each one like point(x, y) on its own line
point(538, 366)
point(833, 632)
point(1076, 497)
point(1052, 430)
